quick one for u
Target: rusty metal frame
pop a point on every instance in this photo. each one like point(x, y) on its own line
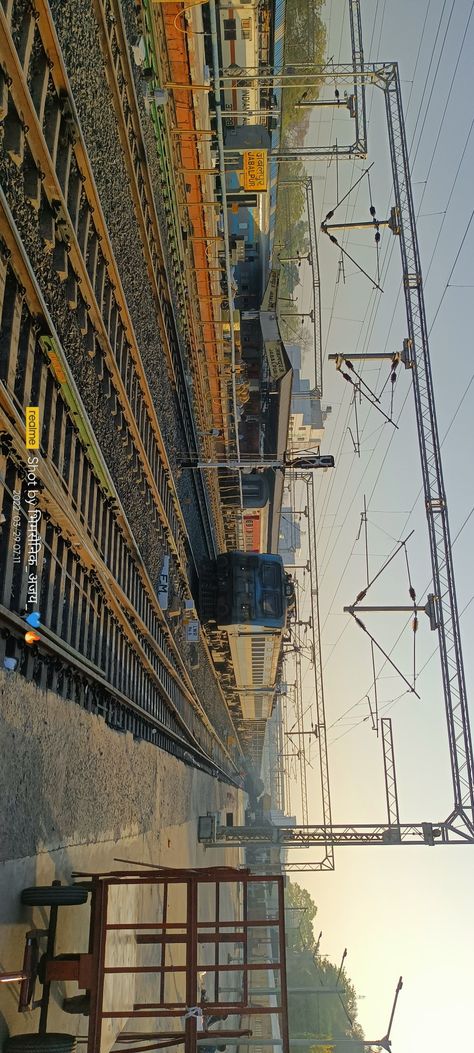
point(190, 932)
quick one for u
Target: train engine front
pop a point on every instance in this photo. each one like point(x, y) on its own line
point(250, 594)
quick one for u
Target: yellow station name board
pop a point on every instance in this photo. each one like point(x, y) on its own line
point(255, 169)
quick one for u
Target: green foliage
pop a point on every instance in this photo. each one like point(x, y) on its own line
point(291, 230)
point(322, 1017)
point(305, 41)
point(298, 903)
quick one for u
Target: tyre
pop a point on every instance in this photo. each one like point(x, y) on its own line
point(54, 896)
point(52, 1043)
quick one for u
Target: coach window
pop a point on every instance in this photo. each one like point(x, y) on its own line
point(271, 576)
point(271, 604)
point(230, 29)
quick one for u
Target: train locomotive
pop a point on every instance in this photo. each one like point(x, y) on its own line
point(247, 597)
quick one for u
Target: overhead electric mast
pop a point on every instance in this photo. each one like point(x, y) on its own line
point(452, 666)
point(360, 116)
point(458, 828)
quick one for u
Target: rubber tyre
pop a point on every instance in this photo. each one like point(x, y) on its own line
point(52, 1043)
point(54, 896)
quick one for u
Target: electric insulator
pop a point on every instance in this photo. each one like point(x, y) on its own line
point(372, 210)
point(412, 593)
point(361, 595)
point(415, 624)
point(377, 237)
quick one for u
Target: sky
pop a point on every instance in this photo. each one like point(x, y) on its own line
point(399, 911)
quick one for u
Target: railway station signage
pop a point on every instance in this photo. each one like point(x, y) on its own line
point(252, 533)
point(275, 358)
point(192, 631)
point(163, 584)
point(255, 169)
point(270, 295)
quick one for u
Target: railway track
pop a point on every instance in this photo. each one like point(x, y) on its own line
point(42, 135)
point(101, 618)
point(180, 348)
point(99, 612)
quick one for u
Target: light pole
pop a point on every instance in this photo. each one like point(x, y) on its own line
point(297, 314)
point(344, 956)
point(303, 462)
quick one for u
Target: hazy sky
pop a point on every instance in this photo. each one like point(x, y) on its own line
point(399, 911)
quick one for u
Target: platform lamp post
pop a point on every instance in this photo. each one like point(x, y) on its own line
point(298, 566)
point(344, 956)
point(297, 314)
point(296, 259)
point(304, 463)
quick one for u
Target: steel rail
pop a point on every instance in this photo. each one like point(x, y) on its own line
point(51, 499)
point(59, 649)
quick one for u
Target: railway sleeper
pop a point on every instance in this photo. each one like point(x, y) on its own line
point(100, 278)
point(74, 195)
point(135, 465)
point(51, 126)
point(82, 314)
point(3, 95)
point(113, 405)
point(98, 364)
point(32, 183)
point(92, 258)
point(130, 448)
point(119, 417)
point(106, 383)
point(38, 83)
point(106, 304)
point(69, 120)
point(26, 39)
point(90, 339)
point(47, 225)
point(142, 484)
point(13, 135)
point(60, 260)
point(63, 166)
point(72, 290)
point(114, 326)
point(83, 227)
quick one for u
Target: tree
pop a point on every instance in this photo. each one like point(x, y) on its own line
point(305, 41)
point(291, 230)
point(300, 901)
point(324, 1018)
